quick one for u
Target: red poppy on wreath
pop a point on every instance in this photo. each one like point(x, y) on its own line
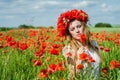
point(65, 18)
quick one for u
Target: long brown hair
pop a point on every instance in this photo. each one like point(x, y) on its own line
point(75, 46)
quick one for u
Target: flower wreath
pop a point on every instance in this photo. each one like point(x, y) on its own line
point(65, 18)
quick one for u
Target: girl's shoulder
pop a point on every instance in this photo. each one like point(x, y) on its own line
point(95, 43)
point(65, 47)
point(67, 50)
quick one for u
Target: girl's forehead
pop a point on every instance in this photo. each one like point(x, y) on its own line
point(75, 23)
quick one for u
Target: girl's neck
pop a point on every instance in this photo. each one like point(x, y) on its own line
point(81, 44)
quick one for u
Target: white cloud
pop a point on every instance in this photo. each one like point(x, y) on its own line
point(104, 5)
point(83, 4)
point(52, 2)
point(106, 8)
point(20, 7)
point(110, 8)
point(10, 17)
point(41, 4)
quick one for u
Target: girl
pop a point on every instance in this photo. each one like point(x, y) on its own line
point(81, 53)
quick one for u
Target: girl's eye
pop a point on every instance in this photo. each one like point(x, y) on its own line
point(72, 29)
point(78, 26)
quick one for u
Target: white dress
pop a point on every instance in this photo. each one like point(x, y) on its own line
point(95, 65)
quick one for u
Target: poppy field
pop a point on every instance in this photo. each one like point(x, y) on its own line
point(36, 54)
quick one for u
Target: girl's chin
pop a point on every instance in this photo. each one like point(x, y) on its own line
point(77, 38)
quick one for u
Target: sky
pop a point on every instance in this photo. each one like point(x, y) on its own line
point(46, 12)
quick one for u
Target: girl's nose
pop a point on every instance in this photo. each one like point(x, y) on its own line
point(77, 31)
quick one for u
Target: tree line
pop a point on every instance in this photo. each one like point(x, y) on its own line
point(98, 25)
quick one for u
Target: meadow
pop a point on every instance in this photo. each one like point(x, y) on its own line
point(36, 54)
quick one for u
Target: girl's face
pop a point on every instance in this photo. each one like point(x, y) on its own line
point(75, 29)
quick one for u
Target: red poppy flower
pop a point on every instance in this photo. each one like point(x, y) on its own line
point(32, 33)
point(1, 33)
point(44, 44)
point(83, 16)
point(56, 46)
point(1, 46)
point(90, 59)
point(37, 62)
point(101, 47)
point(1, 38)
point(52, 68)
point(23, 46)
point(82, 38)
point(75, 14)
point(61, 31)
point(116, 41)
point(43, 74)
point(69, 54)
point(54, 51)
point(83, 56)
point(9, 38)
point(60, 67)
point(106, 49)
point(39, 53)
point(114, 64)
point(105, 70)
point(79, 66)
point(12, 43)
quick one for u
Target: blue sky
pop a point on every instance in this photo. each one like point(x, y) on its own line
point(45, 12)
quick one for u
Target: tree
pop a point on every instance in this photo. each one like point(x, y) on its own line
point(103, 25)
point(25, 26)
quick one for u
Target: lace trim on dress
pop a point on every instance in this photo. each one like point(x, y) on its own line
point(68, 49)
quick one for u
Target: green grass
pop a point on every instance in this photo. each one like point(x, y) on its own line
point(15, 65)
point(104, 29)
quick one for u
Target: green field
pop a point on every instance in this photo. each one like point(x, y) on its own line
point(19, 64)
point(105, 29)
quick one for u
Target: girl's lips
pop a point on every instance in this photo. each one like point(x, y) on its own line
point(78, 34)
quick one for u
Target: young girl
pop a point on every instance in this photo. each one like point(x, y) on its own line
point(81, 53)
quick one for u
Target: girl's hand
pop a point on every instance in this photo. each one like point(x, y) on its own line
point(81, 49)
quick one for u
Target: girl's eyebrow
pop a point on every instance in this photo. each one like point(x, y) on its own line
point(79, 25)
point(72, 28)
